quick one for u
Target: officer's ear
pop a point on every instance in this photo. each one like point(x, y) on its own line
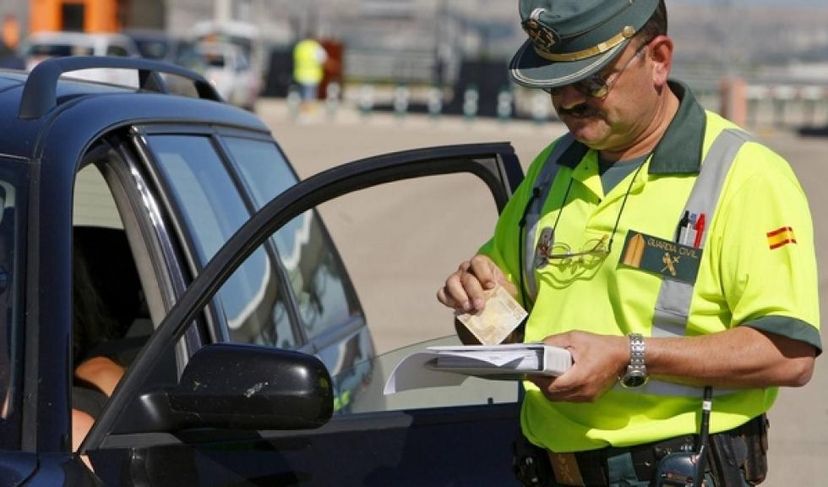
point(660, 54)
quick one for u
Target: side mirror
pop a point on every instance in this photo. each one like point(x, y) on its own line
point(244, 387)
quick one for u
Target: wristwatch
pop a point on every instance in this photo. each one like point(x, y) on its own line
point(636, 374)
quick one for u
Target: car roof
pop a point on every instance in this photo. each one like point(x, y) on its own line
point(150, 34)
point(34, 113)
point(77, 38)
point(216, 48)
point(62, 34)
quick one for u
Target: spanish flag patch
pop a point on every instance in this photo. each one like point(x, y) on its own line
point(781, 237)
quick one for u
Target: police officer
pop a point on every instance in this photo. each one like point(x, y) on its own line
point(660, 244)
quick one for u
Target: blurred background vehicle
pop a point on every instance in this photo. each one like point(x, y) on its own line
point(452, 53)
point(44, 45)
point(160, 45)
point(227, 67)
point(243, 35)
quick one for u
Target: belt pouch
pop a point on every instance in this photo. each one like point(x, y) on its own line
point(755, 434)
point(728, 453)
point(530, 463)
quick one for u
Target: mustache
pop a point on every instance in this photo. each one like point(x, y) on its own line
point(579, 111)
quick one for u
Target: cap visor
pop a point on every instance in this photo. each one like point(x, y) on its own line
point(530, 70)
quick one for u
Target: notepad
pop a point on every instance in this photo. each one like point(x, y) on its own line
point(450, 366)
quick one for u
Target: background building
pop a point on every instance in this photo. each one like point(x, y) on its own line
point(434, 35)
point(458, 44)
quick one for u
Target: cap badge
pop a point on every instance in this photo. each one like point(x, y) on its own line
point(543, 37)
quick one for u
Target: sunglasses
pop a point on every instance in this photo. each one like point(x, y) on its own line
point(598, 86)
point(593, 253)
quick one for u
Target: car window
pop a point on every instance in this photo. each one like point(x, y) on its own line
point(93, 204)
point(110, 302)
point(214, 60)
point(116, 51)
point(12, 199)
point(400, 244)
point(153, 48)
point(318, 278)
point(251, 301)
point(241, 63)
point(58, 50)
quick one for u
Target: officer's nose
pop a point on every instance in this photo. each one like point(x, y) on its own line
point(567, 97)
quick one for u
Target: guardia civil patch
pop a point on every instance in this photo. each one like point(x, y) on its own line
point(662, 257)
point(780, 237)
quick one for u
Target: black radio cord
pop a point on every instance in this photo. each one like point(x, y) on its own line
point(704, 436)
point(521, 237)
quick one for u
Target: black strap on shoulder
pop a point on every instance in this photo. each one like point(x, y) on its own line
point(88, 399)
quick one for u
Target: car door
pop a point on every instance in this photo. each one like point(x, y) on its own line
point(452, 444)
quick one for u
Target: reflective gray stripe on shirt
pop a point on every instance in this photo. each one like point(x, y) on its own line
point(655, 387)
point(540, 191)
point(673, 305)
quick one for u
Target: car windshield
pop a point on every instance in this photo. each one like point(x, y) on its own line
point(214, 60)
point(59, 50)
point(12, 202)
point(367, 395)
point(153, 48)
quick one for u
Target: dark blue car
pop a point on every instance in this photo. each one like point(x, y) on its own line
point(248, 357)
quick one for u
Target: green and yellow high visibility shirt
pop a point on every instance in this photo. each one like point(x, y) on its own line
point(308, 59)
point(757, 268)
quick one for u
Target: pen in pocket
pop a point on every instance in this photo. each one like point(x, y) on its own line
point(699, 230)
point(682, 227)
point(689, 233)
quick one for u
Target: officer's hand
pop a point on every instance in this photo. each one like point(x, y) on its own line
point(464, 288)
point(597, 362)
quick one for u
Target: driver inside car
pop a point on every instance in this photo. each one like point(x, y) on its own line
point(96, 372)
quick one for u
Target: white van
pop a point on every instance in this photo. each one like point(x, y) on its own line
point(230, 72)
point(44, 45)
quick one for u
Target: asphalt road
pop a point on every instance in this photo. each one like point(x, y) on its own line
point(399, 241)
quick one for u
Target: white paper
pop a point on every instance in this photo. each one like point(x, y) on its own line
point(495, 355)
point(412, 373)
point(509, 362)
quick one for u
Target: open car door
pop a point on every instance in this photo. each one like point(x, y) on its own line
point(245, 414)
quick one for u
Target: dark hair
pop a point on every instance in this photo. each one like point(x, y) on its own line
point(656, 25)
point(92, 321)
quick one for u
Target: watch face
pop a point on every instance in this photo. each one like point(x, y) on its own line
point(634, 378)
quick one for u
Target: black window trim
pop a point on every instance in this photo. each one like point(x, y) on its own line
point(20, 323)
point(170, 236)
point(291, 302)
point(126, 164)
point(215, 322)
point(343, 328)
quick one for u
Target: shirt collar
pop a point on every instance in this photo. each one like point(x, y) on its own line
point(679, 150)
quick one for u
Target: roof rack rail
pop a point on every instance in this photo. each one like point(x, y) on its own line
point(40, 91)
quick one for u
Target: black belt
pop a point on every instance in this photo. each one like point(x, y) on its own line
point(590, 468)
